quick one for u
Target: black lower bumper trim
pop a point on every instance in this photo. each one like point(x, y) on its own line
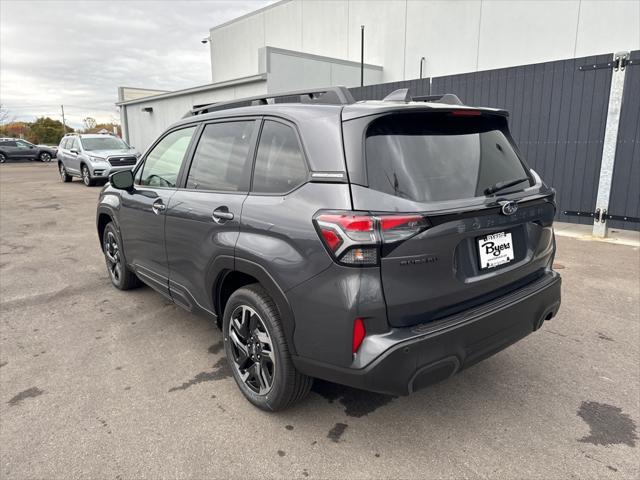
point(440, 352)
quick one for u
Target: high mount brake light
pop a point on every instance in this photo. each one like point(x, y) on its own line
point(466, 113)
point(354, 238)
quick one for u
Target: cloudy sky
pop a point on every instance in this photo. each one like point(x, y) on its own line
point(77, 53)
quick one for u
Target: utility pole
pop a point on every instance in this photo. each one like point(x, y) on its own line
point(362, 55)
point(63, 121)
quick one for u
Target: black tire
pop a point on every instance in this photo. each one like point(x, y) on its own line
point(288, 386)
point(120, 274)
point(45, 157)
point(64, 176)
point(3, 158)
point(86, 176)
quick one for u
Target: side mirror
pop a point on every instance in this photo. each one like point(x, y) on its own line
point(122, 180)
point(73, 150)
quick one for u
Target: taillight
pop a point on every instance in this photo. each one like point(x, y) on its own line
point(354, 238)
point(400, 227)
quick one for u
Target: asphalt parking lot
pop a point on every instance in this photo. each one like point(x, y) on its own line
point(98, 383)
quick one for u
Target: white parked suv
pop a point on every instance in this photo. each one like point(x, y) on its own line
point(93, 157)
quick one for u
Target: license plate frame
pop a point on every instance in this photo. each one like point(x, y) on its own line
point(495, 250)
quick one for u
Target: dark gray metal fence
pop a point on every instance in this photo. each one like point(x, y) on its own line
point(558, 118)
point(625, 187)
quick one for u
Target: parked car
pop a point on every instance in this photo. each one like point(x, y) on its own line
point(383, 245)
point(93, 157)
point(16, 148)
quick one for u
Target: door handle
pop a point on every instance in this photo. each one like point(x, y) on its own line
point(222, 215)
point(158, 207)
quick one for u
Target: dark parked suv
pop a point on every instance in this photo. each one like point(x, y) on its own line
point(383, 245)
point(14, 148)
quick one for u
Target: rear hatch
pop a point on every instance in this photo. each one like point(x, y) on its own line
point(479, 241)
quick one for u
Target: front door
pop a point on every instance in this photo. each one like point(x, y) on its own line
point(203, 219)
point(26, 149)
point(142, 216)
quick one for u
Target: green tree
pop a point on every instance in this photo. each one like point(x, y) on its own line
point(46, 130)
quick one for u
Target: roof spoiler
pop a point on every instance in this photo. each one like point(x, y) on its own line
point(328, 96)
point(402, 95)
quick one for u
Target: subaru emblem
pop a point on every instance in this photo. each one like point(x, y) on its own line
point(509, 208)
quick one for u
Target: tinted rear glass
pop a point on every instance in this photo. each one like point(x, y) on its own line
point(430, 157)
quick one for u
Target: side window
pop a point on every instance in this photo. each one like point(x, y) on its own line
point(73, 144)
point(163, 163)
point(221, 159)
point(10, 143)
point(63, 143)
point(280, 165)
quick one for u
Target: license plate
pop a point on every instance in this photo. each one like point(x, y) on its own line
point(495, 249)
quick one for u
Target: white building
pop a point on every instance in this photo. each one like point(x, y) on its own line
point(298, 44)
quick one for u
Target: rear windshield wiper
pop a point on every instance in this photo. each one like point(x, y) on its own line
point(496, 187)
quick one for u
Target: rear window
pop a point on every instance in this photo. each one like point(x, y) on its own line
point(431, 157)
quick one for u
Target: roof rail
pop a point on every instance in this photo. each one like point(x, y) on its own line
point(329, 96)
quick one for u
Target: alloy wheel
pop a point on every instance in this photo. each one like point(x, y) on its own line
point(112, 254)
point(85, 176)
point(2, 158)
point(63, 172)
point(252, 350)
point(45, 157)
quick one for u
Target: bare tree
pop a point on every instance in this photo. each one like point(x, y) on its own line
point(4, 115)
point(89, 123)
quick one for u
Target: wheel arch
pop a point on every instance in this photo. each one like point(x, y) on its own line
point(103, 217)
point(234, 274)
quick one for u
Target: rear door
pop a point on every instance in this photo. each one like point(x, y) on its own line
point(10, 148)
point(203, 217)
point(473, 248)
point(72, 155)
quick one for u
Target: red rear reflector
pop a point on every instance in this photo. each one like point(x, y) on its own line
point(466, 113)
point(331, 238)
point(358, 334)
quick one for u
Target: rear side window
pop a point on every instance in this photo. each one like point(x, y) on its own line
point(162, 165)
point(430, 157)
point(221, 160)
point(280, 165)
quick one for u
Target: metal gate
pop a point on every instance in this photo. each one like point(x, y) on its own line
point(625, 185)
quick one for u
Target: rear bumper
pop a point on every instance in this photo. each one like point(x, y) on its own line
point(407, 359)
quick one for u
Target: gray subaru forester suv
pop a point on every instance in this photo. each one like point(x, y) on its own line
point(384, 245)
